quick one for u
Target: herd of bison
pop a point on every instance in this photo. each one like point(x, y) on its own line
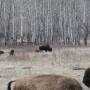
point(40, 49)
point(50, 81)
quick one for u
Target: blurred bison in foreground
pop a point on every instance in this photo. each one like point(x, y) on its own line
point(86, 78)
point(1, 52)
point(45, 48)
point(45, 82)
point(12, 52)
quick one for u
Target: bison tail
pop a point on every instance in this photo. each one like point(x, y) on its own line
point(9, 85)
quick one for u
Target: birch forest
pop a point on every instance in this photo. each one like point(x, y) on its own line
point(59, 22)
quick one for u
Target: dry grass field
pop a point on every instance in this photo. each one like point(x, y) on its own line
point(64, 61)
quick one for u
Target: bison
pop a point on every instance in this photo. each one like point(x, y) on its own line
point(45, 82)
point(12, 52)
point(1, 52)
point(45, 48)
point(37, 51)
point(86, 78)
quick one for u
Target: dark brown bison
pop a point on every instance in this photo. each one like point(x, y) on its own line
point(45, 48)
point(1, 52)
point(86, 78)
point(12, 52)
point(45, 82)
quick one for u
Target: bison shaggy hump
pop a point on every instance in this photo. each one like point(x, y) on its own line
point(45, 82)
point(86, 78)
point(45, 48)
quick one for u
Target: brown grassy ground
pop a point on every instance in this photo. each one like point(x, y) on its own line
point(64, 61)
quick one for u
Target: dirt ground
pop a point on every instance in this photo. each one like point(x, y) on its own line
point(63, 61)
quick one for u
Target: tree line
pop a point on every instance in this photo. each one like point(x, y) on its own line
point(64, 22)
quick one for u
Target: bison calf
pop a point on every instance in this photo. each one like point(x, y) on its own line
point(45, 82)
point(12, 52)
point(45, 48)
point(37, 51)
